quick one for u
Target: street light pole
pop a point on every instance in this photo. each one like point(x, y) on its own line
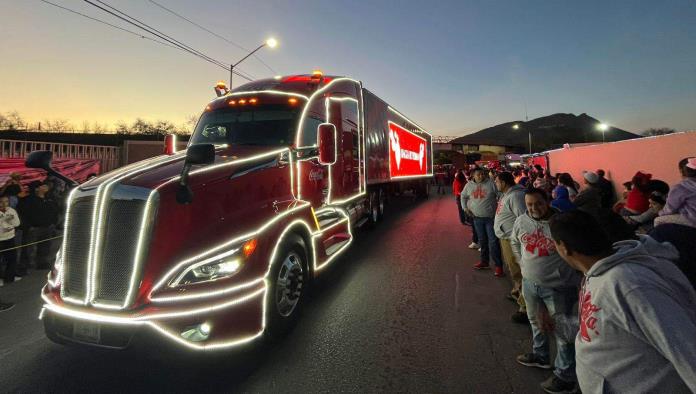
point(529, 132)
point(603, 127)
point(271, 43)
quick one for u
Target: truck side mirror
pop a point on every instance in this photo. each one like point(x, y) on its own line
point(196, 154)
point(200, 154)
point(39, 159)
point(326, 141)
point(42, 159)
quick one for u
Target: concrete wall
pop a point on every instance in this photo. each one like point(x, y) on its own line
point(655, 155)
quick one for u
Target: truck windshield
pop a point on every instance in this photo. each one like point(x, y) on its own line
point(254, 125)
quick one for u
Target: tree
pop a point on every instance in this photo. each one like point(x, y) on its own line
point(162, 127)
point(12, 121)
point(122, 127)
point(58, 125)
point(659, 131)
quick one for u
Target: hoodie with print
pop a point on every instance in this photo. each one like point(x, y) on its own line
point(540, 262)
point(637, 323)
point(480, 198)
point(510, 206)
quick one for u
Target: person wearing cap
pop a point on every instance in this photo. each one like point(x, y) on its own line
point(590, 197)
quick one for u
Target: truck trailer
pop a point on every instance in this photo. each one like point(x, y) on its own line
point(216, 246)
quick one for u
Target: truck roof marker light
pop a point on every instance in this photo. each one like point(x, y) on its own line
point(253, 100)
point(231, 102)
point(249, 247)
point(242, 101)
point(208, 108)
point(292, 101)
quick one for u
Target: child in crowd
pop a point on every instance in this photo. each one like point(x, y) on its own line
point(680, 207)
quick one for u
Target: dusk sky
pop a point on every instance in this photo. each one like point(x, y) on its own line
point(455, 67)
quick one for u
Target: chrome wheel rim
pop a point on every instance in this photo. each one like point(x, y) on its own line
point(288, 287)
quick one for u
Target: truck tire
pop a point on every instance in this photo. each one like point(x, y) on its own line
point(382, 200)
point(373, 209)
point(287, 287)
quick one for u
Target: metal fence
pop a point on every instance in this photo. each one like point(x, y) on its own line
point(110, 156)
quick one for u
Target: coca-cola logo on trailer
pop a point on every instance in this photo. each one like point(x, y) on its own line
point(407, 152)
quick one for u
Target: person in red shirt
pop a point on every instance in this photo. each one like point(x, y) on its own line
point(457, 187)
point(637, 199)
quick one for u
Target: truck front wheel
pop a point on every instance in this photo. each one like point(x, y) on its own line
point(287, 287)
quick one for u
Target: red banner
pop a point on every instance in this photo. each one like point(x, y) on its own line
point(407, 153)
point(78, 170)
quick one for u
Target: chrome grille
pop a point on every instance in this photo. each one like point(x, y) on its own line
point(77, 247)
point(121, 223)
point(118, 249)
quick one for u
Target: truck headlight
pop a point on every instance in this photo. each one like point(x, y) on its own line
point(221, 266)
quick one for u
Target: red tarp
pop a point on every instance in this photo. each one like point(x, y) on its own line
point(76, 169)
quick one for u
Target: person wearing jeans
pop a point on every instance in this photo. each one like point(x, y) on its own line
point(549, 287)
point(560, 303)
point(479, 198)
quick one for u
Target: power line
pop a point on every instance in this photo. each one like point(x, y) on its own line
point(109, 24)
point(213, 33)
point(162, 36)
point(153, 31)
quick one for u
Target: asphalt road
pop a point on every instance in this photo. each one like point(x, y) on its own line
point(401, 311)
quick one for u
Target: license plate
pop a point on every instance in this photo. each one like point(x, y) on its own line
point(87, 332)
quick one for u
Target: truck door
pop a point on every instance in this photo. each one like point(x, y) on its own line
point(346, 181)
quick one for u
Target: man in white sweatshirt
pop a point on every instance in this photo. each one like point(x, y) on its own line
point(9, 220)
point(479, 199)
point(637, 313)
point(547, 284)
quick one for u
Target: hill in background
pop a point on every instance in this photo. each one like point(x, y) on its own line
point(548, 132)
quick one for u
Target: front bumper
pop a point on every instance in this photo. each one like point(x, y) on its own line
point(235, 320)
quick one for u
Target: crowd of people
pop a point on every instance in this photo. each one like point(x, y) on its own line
point(29, 218)
point(613, 280)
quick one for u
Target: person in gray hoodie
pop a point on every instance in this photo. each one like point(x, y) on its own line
point(510, 207)
point(637, 311)
point(548, 283)
point(479, 199)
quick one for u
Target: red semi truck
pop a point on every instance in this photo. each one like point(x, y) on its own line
point(215, 246)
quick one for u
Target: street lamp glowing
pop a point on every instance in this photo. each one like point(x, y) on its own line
point(516, 126)
point(271, 42)
point(602, 127)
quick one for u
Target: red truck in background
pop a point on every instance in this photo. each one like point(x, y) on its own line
point(215, 246)
point(79, 170)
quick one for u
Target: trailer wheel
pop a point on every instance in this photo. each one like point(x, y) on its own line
point(382, 201)
point(374, 212)
point(287, 287)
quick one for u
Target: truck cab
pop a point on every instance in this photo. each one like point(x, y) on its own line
point(215, 246)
